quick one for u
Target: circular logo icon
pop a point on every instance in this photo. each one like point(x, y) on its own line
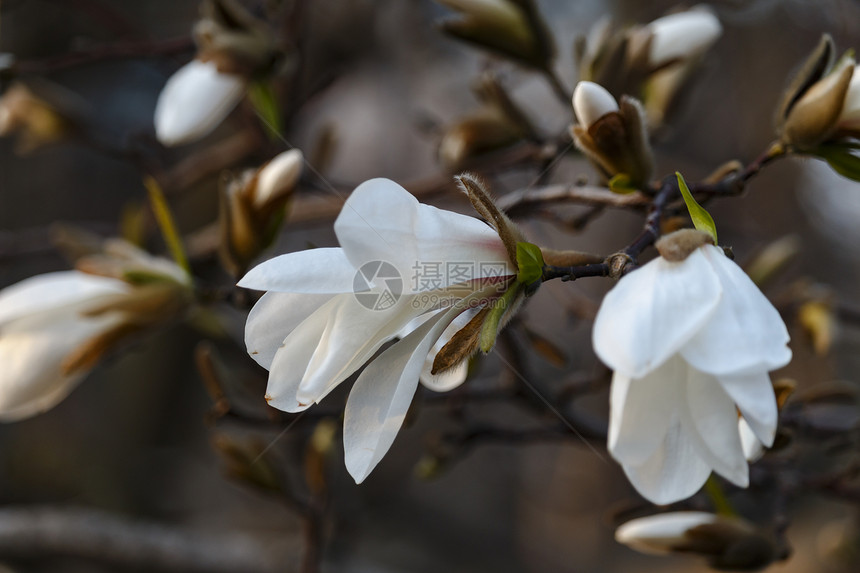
point(377, 285)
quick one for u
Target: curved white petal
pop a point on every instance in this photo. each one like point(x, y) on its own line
point(32, 351)
point(745, 333)
point(329, 346)
point(430, 247)
point(274, 316)
point(682, 35)
point(640, 411)
point(753, 448)
point(850, 116)
point(194, 101)
point(654, 311)
point(54, 290)
point(659, 534)
point(278, 175)
point(324, 270)
point(711, 417)
point(381, 396)
point(674, 472)
point(754, 396)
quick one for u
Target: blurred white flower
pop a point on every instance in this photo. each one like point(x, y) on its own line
point(681, 36)
point(194, 101)
point(55, 327)
point(691, 343)
point(329, 310)
point(849, 119)
point(662, 533)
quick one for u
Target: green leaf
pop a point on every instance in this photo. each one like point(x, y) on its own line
point(530, 262)
point(702, 220)
point(621, 184)
point(841, 158)
point(266, 105)
point(164, 217)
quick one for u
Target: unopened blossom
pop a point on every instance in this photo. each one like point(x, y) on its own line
point(612, 134)
point(55, 327)
point(728, 543)
point(252, 207)
point(329, 310)
point(691, 341)
point(233, 47)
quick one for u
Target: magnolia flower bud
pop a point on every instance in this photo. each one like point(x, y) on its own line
point(823, 101)
point(681, 36)
point(591, 102)
point(195, 100)
point(728, 543)
point(512, 28)
point(252, 208)
point(613, 137)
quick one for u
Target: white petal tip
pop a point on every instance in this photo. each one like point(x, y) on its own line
point(592, 101)
point(278, 176)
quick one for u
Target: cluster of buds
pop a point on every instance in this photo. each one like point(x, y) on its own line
point(233, 48)
point(252, 208)
point(613, 136)
point(496, 125)
point(652, 62)
point(822, 103)
point(511, 28)
point(54, 328)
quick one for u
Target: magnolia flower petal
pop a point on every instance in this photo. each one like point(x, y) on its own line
point(324, 270)
point(674, 472)
point(430, 248)
point(682, 35)
point(32, 351)
point(329, 346)
point(592, 101)
point(641, 411)
point(753, 448)
point(660, 534)
point(745, 333)
point(754, 396)
point(52, 291)
point(850, 116)
point(274, 316)
point(711, 418)
point(194, 101)
point(654, 311)
point(381, 396)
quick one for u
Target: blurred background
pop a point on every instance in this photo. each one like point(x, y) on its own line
point(135, 440)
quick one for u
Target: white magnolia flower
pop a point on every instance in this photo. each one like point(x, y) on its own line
point(329, 310)
point(55, 327)
point(662, 533)
point(691, 343)
point(194, 101)
point(849, 119)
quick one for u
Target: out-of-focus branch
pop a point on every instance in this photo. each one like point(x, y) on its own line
point(523, 201)
point(38, 532)
point(114, 51)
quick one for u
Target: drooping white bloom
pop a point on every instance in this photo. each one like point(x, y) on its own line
point(691, 343)
point(592, 101)
point(55, 327)
point(194, 101)
point(662, 533)
point(329, 310)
